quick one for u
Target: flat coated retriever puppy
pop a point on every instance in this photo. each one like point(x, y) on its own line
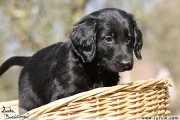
point(101, 45)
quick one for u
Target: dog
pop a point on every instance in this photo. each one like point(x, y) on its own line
point(101, 45)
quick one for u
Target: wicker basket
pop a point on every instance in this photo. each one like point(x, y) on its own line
point(127, 101)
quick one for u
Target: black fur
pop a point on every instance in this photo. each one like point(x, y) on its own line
point(101, 45)
point(17, 60)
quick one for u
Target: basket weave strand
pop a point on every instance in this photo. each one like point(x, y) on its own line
point(127, 101)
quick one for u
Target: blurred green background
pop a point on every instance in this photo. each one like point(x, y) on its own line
point(30, 25)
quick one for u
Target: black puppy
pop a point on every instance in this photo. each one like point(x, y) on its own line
point(101, 45)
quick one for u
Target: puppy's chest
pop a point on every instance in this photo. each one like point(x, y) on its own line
point(95, 82)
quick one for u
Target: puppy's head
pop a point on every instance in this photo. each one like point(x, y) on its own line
point(108, 36)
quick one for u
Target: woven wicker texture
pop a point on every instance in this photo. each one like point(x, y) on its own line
point(127, 101)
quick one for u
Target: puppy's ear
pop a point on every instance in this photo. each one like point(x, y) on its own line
point(138, 42)
point(83, 39)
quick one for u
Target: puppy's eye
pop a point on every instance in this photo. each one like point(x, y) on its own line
point(108, 39)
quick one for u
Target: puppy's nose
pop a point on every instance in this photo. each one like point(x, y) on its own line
point(126, 64)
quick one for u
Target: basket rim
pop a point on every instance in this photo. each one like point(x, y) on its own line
point(135, 86)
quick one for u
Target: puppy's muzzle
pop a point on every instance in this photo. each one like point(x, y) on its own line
point(126, 65)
